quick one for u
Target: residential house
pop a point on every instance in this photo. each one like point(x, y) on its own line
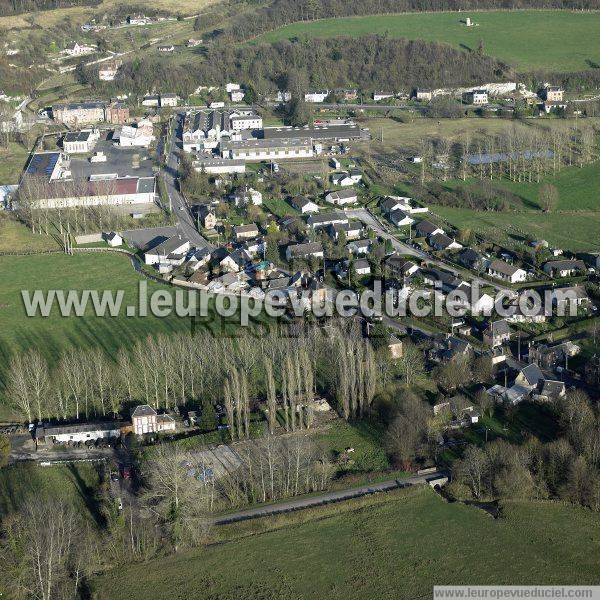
point(390, 204)
point(146, 420)
point(359, 247)
point(471, 259)
point(236, 261)
point(108, 71)
point(304, 205)
point(237, 95)
point(152, 100)
point(506, 272)
point(171, 251)
point(426, 229)
point(563, 268)
point(529, 377)
point(400, 219)
point(352, 230)
point(245, 232)
point(79, 432)
point(448, 281)
point(552, 93)
point(324, 220)
point(476, 97)
point(423, 95)
point(308, 250)
point(550, 390)
point(551, 357)
point(496, 333)
point(246, 120)
point(342, 197)
point(441, 242)
point(400, 267)
point(316, 96)
point(245, 196)
point(79, 112)
point(117, 113)
point(378, 96)
point(168, 100)
point(113, 239)
point(342, 179)
point(79, 50)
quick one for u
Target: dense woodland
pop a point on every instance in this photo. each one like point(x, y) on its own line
point(371, 62)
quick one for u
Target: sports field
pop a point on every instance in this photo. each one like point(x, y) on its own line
point(395, 546)
point(527, 39)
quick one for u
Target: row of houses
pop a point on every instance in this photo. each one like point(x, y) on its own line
point(144, 420)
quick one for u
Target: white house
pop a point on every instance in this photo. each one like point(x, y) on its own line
point(316, 96)
point(169, 99)
point(146, 420)
point(80, 142)
point(237, 95)
point(245, 121)
point(79, 50)
point(400, 219)
point(342, 197)
point(232, 87)
point(304, 250)
point(304, 205)
point(378, 96)
point(476, 97)
point(83, 432)
point(107, 72)
point(506, 272)
point(342, 179)
point(172, 251)
point(113, 239)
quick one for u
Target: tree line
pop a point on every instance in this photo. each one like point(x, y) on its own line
point(283, 367)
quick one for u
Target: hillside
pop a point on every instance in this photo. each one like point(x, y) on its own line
point(524, 39)
point(397, 547)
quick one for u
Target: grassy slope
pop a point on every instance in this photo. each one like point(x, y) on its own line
point(22, 482)
point(12, 160)
point(577, 232)
point(16, 237)
point(395, 549)
point(80, 14)
point(525, 39)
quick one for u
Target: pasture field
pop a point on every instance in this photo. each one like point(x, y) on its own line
point(396, 545)
point(525, 39)
point(12, 161)
point(53, 334)
point(577, 231)
point(398, 135)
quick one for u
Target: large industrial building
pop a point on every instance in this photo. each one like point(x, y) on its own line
point(58, 180)
point(256, 150)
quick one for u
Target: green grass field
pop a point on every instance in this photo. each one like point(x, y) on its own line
point(12, 161)
point(22, 482)
point(397, 546)
point(53, 334)
point(576, 231)
point(525, 39)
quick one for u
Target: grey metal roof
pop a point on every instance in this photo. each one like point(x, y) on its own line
point(143, 410)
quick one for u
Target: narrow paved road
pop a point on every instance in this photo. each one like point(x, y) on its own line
point(185, 223)
point(325, 498)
